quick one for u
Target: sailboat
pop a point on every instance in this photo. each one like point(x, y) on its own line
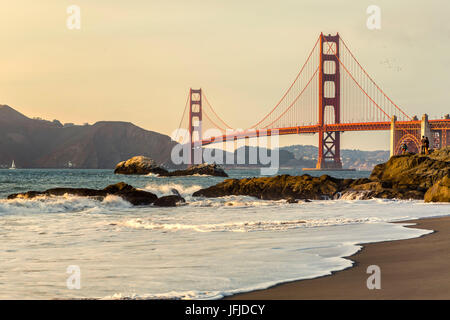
point(13, 166)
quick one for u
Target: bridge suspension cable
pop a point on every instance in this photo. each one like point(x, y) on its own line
point(181, 120)
point(212, 109)
point(215, 126)
point(295, 100)
point(290, 87)
point(371, 80)
point(361, 99)
point(357, 83)
point(299, 95)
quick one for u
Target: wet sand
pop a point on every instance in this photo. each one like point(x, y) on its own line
point(410, 269)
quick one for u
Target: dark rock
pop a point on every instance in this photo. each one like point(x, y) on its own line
point(278, 187)
point(139, 165)
point(291, 200)
point(138, 197)
point(169, 201)
point(121, 189)
point(200, 169)
point(361, 194)
point(81, 192)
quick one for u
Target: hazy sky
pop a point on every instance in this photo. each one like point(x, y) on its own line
point(135, 60)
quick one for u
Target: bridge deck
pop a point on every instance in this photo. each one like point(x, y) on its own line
point(440, 124)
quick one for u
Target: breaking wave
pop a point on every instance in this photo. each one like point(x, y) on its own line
point(60, 204)
point(242, 226)
point(165, 189)
point(354, 195)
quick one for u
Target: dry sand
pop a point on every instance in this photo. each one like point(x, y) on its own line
point(410, 269)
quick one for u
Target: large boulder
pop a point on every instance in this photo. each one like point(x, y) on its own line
point(380, 189)
point(139, 165)
point(406, 176)
point(278, 187)
point(439, 192)
point(80, 192)
point(131, 194)
point(169, 201)
point(414, 172)
point(121, 189)
point(199, 169)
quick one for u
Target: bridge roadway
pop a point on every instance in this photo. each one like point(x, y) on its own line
point(439, 124)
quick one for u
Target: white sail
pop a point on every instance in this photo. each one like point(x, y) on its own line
point(13, 165)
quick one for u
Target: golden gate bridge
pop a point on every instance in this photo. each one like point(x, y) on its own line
point(332, 93)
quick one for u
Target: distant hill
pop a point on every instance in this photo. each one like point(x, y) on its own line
point(241, 158)
point(37, 143)
point(305, 156)
point(357, 159)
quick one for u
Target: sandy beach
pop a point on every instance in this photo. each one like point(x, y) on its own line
point(410, 269)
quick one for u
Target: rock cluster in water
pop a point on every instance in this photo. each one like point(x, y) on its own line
point(279, 187)
point(141, 165)
point(199, 169)
point(121, 189)
point(410, 176)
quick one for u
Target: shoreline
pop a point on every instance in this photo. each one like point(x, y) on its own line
point(417, 268)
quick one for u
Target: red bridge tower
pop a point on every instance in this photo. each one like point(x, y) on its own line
point(195, 126)
point(329, 77)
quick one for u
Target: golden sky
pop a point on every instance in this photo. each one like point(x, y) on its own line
point(136, 60)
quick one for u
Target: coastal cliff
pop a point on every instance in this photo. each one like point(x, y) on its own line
point(37, 143)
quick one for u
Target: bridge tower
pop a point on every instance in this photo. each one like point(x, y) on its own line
point(329, 97)
point(195, 126)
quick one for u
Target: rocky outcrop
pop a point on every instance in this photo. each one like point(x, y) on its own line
point(169, 201)
point(414, 172)
point(439, 192)
point(279, 187)
point(380, 189)
point(200, 169)
point(125, 191)
point(409, 176)
point(121, 189)
point(139, 165)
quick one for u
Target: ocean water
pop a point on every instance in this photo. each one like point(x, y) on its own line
point(206, 249)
